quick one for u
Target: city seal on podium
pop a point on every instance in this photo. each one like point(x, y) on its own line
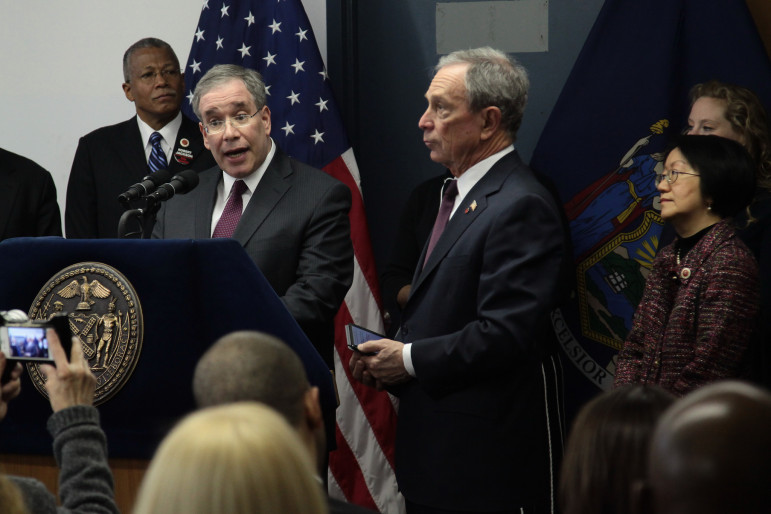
point(104, 312)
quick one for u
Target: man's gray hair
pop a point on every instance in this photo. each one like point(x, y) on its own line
point(148, 42)
point(493, 79)
point(223, 73)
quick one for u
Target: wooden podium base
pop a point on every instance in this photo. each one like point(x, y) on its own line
point(128, 474)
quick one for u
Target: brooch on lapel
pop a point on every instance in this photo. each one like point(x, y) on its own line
point(472, 207)
point(685, 273)
point(183, 155)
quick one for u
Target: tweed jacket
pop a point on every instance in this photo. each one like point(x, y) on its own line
point(695, 320)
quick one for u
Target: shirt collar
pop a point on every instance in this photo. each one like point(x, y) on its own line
point(475, 173)
point(168, 131)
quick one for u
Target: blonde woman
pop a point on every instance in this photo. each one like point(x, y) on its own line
point(241, 458)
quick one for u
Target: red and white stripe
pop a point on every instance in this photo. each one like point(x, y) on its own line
point(361, 469)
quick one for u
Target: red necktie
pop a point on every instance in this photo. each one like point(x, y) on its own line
point(232, 213)
point(448, 201)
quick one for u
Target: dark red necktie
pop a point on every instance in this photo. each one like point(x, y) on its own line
point(448, 201)
point(232, 213)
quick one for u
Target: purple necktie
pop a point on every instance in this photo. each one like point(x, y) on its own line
point(157, 159)
point(232, 213)
point(448, 200)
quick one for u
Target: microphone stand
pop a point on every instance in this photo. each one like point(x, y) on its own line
point(145, 217)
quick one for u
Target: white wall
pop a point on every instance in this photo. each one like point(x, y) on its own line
point(61, 70)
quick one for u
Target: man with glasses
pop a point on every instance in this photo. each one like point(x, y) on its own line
point(110, 159)
point(290, 218)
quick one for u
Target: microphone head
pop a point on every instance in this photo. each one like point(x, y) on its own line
point(185, 181)
point(159, 177)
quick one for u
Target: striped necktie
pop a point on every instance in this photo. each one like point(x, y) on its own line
point(157, 159)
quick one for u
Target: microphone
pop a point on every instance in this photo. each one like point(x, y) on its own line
point(179, 184)
point(147, 186)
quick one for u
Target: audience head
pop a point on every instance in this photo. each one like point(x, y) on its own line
point(735, 112)
point(11, 499)
point(253, 366)
point(241, 458)
point(715, 177)
point(710, 452)
point(608, 447)
point(475, 106)
point(153, 81)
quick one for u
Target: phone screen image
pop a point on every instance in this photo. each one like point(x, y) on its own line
point(357, 335)
point(27, 343)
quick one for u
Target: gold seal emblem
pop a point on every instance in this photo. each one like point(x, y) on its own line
point(104, 313)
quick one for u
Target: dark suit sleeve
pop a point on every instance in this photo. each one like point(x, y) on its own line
point(80, 216)
point(517, 270)
point(325, 267)
point(49, 220)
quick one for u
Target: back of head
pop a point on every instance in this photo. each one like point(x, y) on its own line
point(493, 79)
point(252, 366)
point(748, 117)
point(726, 170)
point(608, 447)
point(241, 458)
point(148, 42)
point(11, 500)
point(710, 452)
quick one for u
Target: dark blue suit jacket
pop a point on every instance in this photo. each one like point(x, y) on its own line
point(472, 430)
point(107, 162)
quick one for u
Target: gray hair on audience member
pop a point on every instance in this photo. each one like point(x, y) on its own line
point(223, 73)
point(148, 42)
point(493, 79)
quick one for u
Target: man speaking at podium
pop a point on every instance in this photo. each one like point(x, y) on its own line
point(290, 218)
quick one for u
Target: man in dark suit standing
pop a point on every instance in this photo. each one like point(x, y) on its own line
point(290, 218)
point(28, 206)
point(476, 430)
point(111, 159)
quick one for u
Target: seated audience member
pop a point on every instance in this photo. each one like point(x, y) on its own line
point(253, 366)
point(111, 159)
point(241, 458)
point(28, 206)
point(607, 450)
point(710, 453)
point(80, 446)
point(290, 218)
point(10, 498)
point(698, 311)
point(735, 112)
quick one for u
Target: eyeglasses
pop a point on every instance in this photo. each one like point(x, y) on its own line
point(671, 177)
point(239, 120)
point(148, 77)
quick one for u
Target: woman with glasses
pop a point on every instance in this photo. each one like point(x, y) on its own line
point(735, 112)
point(698, 310)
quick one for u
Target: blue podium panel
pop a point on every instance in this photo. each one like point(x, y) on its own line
point(191, 292)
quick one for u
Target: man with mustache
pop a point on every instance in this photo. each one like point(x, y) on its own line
point(110, 159)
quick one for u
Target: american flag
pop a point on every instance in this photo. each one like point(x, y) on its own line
point(276, 39)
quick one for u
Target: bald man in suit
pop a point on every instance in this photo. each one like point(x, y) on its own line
point(111, 159)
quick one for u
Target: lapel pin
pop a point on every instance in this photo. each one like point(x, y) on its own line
point(474, 205)
point(184, 142)
point(685, 273)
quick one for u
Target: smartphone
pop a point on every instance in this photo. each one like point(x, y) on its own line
point(28, 341)
point(357, 335)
